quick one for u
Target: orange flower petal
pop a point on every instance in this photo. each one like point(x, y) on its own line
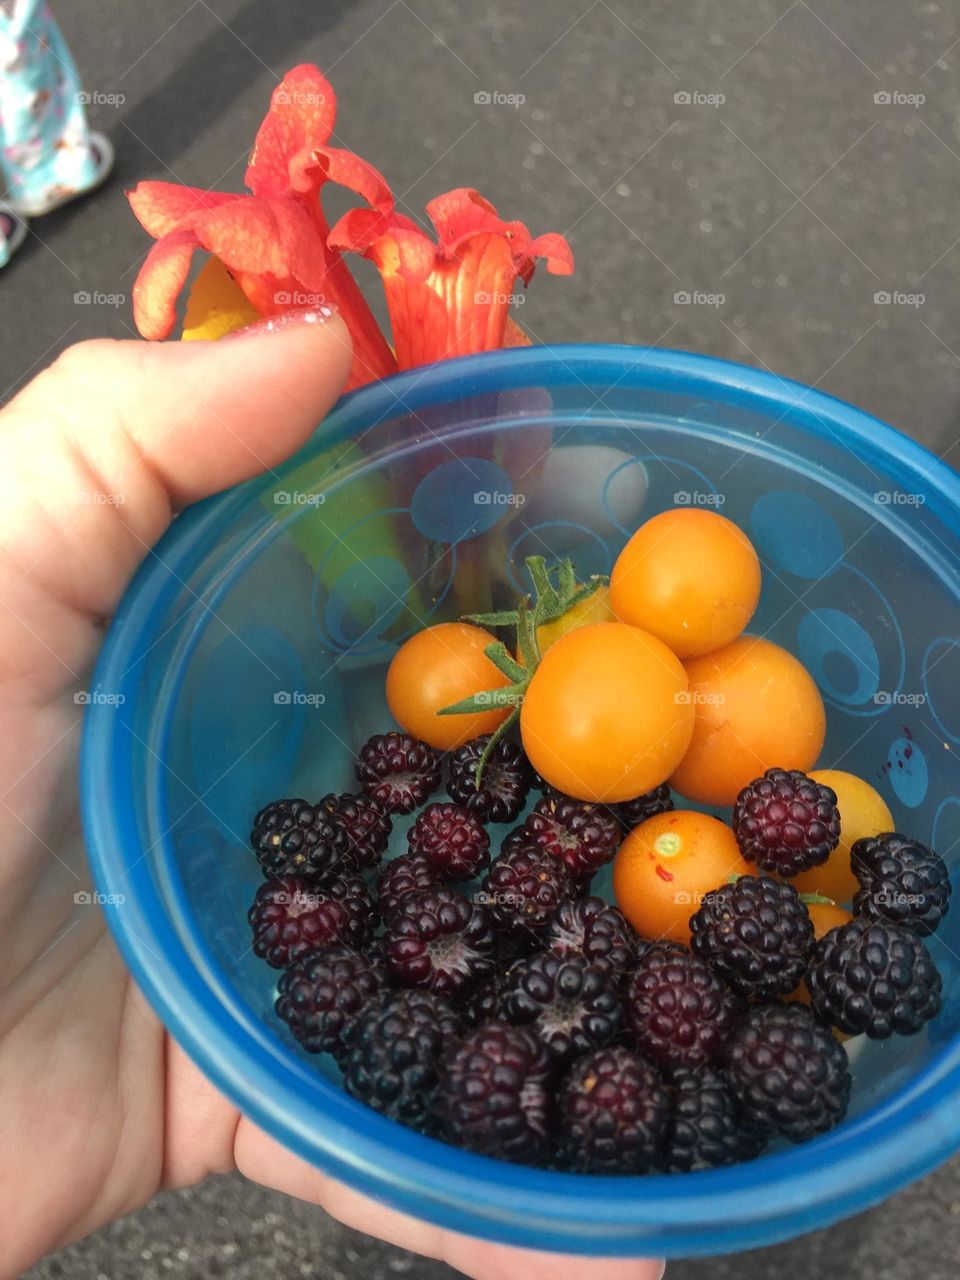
point(459, 214)
point(555, 251)
point(162, 277)
point(342, 166)
point(162, 207)
point(393, 241)
point(262, 236)
point(302, 112)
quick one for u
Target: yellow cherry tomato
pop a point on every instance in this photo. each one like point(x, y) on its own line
point(757, 708)
point(436, 668)
point(690, 577)
point(595, 607)
point(608, 713)
point(667, 865)
point(863, 812)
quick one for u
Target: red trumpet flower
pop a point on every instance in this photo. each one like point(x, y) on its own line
point(450, 297)
point(446, 297)
point(274, 241)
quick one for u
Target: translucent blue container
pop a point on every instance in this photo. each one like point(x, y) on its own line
point(250, 654)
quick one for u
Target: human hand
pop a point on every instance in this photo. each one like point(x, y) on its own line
point(99, 1108)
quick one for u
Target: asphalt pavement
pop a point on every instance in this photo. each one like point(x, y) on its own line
point(771, 181)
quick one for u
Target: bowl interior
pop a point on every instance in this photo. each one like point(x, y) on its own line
point(254, 656)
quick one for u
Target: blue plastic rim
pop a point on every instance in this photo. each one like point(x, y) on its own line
point(254, 591)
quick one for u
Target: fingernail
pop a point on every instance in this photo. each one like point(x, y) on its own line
point(294, 318)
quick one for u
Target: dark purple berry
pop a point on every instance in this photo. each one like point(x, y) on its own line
point(507, 778)
point(410, 873)
point(572, 1005)
point(494, 1095)
point(393, 1051)
point(322, 992)
point(365, 824)
point(293, 838)
point(398, 771)
point(483, 1003)
point(522, 890)
point(592, 928)
point(787, 1072)
point(452, 840)
point(785, 822)
point(756, 933)
point(901, 882)
point(354, 895)
point(630, 813)
point(583, 836)
point(613, 1109)
point(290, 917)
point(869, 977)
point(677, 1011)
point(706, 1129)
point(439, 941)
point(516, 839)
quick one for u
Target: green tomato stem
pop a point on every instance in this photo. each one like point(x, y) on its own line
point(555, 593)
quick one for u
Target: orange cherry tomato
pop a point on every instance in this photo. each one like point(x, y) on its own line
point(595, 607)
point(690, 577)
point(863, 812)
point(608, 713)
point(757, 708)
point(436, 668)
point(667, 865)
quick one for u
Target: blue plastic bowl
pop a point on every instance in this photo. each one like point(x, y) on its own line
point(249, 655)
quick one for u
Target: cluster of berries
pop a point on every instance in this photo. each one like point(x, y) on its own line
point(871, 976)
point(525, 1019)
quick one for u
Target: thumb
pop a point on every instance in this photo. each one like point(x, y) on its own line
point(198, 416)
point(99, 450)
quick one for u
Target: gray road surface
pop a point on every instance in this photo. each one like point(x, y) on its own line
point(798, 198)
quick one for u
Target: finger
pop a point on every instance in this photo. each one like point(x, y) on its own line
point(260, 1158)
point(98, 451)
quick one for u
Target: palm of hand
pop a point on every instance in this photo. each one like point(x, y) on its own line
point(99, 1109)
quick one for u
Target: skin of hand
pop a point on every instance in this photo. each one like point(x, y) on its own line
point(99, 1108)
